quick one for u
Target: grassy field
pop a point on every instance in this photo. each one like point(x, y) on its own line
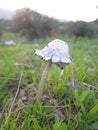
point(67, 104)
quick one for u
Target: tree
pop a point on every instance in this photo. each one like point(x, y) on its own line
point(33, 24)
point(83, 29)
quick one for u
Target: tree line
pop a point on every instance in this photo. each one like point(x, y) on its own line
point(34, 25)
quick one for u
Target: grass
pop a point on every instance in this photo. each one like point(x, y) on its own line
point(69, 104)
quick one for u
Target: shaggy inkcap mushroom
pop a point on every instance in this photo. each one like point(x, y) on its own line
point(56, 52)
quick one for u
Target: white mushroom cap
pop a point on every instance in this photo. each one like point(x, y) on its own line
point(57, 52)
point(9, 43)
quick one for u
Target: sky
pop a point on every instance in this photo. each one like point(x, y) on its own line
point(74, 10)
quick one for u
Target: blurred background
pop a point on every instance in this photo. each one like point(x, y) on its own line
point(41, 18)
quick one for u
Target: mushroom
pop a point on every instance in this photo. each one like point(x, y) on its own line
point(56, 52)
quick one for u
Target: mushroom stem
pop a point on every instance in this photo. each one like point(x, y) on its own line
point(61, 74)
point(42, 82)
